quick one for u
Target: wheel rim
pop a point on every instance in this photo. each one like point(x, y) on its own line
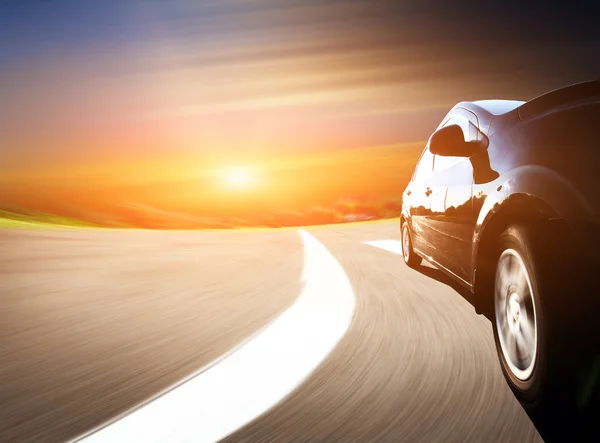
point(516, 321)
point(405, 242)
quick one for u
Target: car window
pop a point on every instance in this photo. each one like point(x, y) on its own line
point(425, 167)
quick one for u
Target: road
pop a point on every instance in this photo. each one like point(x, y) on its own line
point(95, 322)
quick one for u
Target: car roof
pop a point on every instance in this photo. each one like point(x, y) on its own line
point(487, 110)
point(498, 107)
point(490, 108)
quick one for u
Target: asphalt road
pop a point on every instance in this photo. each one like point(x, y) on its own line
point(93, 322)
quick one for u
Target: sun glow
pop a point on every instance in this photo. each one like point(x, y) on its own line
point(238, 177)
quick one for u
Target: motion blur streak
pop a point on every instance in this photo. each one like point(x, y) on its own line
point(256, 376)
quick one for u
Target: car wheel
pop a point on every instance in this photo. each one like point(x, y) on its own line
point(409, 255)
point(519, 321)
point(538, 339)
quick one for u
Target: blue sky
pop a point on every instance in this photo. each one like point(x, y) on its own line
point(31, 27)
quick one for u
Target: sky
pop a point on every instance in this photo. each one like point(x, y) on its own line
point(89, 87)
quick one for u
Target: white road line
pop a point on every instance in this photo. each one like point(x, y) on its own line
point(254, 377)
point(389, 245)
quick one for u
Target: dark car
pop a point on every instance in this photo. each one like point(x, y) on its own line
point(505, 199)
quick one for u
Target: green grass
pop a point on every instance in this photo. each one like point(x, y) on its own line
point(9, 219)
point(11, 223)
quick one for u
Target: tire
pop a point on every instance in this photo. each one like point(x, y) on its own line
point(540, 344)
point(409, 255)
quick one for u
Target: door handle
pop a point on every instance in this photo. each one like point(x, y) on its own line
point(428, 192)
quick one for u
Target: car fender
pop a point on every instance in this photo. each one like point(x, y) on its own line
point(405, 214)
point(529, 188)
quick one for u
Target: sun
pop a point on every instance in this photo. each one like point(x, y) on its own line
point(238, 177)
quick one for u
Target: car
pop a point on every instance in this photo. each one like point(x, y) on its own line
point(505, 199)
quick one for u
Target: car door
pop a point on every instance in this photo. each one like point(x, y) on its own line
point(452, 218)
point(417, 200)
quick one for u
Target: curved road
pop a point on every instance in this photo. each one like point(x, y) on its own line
point(95, 322)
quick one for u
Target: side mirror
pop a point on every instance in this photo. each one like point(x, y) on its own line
point(449, 141)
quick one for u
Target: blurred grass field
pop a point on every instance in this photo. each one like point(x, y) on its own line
point(346, 211)
point(10, 219)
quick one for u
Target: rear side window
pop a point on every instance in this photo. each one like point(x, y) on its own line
point(425, 167)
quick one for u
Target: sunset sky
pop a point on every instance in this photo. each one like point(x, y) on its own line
point(172, 102)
